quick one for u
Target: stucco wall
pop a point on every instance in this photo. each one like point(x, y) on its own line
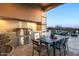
point(9, 25)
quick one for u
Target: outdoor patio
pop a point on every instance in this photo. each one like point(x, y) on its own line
point(26, 50)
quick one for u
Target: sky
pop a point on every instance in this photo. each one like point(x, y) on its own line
point(66, 15)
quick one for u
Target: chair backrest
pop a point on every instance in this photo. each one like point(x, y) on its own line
point(39, 43)
point(35, 42)
point(66, 40)
point(60, 42)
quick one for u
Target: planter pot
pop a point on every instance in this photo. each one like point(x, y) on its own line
point(6, 50)
point(4, 41)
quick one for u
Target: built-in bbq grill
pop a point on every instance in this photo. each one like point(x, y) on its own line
point(22, 36)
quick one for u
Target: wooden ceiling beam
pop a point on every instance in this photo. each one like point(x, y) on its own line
point(16, 19)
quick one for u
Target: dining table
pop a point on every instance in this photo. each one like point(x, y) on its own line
point(49, 41)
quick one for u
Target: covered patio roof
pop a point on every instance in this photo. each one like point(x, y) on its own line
point(30, 12)
point(45, 6)
point(48, 6)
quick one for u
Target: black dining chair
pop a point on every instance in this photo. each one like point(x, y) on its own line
point(66, 48)
point(39, 47)
point(59, 45)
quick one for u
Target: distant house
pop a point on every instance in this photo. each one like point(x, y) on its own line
point(67, 29)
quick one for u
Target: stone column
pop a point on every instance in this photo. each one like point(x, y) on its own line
point(44, 23)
